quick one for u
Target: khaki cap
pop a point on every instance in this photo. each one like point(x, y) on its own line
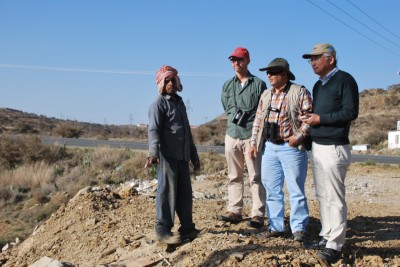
point(320, 49)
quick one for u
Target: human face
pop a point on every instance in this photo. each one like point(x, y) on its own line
point(277, 78)
point(322, 64)
point(170, 86)
point(240, 64)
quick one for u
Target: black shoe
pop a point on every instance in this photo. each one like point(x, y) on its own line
point(190, 235)
point(321, 244)
point(328, 256)
point(256, 222)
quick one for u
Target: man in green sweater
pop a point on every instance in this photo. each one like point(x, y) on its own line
point(335, 105)
point(239, 98)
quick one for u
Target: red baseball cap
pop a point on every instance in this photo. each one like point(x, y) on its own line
point(240, 52)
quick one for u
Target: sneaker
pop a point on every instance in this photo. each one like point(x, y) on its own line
point(230, 217)
point(328, 256)
point(190, 235)
point(299, 236)
point(268, 234)
point(168, 238)
point(256, 222)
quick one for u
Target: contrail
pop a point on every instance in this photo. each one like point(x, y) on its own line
point(133, 72)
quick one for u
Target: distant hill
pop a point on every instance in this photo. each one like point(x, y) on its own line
point(379, 112)
point(18, 122)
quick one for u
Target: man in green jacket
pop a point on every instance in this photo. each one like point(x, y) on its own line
point(240, 96)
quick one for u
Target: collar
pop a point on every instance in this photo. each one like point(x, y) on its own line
point(170, 97)
point(325, 79)
point(285, 89)
point(249, 77)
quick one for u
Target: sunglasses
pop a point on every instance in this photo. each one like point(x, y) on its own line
point(276, 72)
point(236, 59)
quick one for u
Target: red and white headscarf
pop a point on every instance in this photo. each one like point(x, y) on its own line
point(167, 72)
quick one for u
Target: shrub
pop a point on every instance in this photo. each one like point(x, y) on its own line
point(212, 163)
point(375, 137)
point(15, 151)
point(25, 128)
point(212, 134)
point(68, 131)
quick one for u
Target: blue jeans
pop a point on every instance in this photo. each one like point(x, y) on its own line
point(281, 162)
point(174, 194)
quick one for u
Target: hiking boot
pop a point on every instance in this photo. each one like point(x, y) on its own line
point(168, 238)
point(190, 235)
point(321, 244)
point(299, 236)
point(256, 222)
point(328, 256)
point(230, 217)
point(269, 234)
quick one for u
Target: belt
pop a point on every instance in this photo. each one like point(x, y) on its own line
point(277, 142)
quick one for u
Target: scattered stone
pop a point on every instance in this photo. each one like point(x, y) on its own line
point(127, 191)
point(237, 256)
point(7, 246)
point(49, 262)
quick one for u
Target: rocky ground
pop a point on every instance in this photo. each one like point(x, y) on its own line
point(114, 227)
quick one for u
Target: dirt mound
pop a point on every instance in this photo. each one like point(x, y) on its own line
point(115, 227)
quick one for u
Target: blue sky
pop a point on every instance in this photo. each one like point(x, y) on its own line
point(95, 60)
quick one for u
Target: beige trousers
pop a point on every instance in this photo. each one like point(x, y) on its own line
point(329, 165)
point(236, 152)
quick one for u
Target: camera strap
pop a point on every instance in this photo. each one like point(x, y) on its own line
point(278, 110)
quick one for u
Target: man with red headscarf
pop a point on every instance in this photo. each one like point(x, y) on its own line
point(171, 147)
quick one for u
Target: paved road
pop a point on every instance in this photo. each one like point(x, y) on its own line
point(215, 149)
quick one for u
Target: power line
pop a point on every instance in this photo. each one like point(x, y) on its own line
point(363, 23)
point(374, 20)
point(391, 51)
point(134, 72)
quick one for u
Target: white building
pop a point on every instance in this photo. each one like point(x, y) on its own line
point(394, 138)
point(360, 147)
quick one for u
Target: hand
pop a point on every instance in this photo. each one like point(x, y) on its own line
point(292, 141)
point(253, 152)
point(303, 115)
point(196, 166)
point(151, 161)
point(310, 118)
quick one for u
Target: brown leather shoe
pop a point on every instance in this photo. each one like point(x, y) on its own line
point(168, 239)
point(269, 234)
point(230, 217)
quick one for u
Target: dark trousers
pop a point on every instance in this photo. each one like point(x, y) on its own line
point(174, 193)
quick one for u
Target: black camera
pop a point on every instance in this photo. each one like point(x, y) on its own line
point(239, 118)
point(270, 130)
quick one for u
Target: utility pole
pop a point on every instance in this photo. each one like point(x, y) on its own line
point(130, 125)
point(188, 107)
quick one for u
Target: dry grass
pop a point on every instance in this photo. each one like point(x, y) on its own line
point(42, 186)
